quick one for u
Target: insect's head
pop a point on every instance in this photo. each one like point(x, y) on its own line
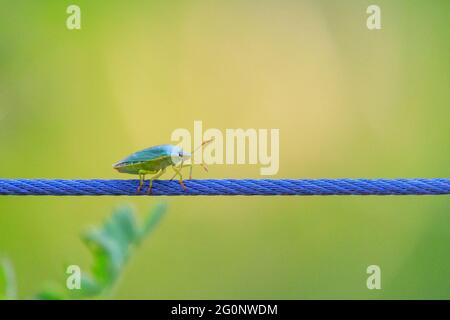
point(184, 155)
point(179, 155)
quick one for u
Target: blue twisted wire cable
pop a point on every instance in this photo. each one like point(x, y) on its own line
point(227, 187)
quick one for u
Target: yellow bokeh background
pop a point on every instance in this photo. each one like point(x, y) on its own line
point(349, 102)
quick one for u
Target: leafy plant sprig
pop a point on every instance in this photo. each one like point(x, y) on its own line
point(111, 246)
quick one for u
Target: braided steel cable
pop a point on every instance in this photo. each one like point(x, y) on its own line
point(227, 187)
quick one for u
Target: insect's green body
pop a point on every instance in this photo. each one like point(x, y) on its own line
point(151, 166)
point(153, 160)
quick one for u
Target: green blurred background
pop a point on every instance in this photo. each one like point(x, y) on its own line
point(349, 102)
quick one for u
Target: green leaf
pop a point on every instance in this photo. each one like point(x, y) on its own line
point(123, 224)
point(153, 219)
point(52, 292)
point(107, 253)
point(111, 246)
point(89, 288)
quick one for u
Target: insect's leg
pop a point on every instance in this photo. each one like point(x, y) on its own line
point(141, 182)
point(178, 173)
point(181, 166)
point(204, 167)
point(190, 169)
point(184, 166)
point(142, 174)
point(192, 165)
point(156, 176)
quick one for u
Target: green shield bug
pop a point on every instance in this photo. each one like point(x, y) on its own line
point(155, 160)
